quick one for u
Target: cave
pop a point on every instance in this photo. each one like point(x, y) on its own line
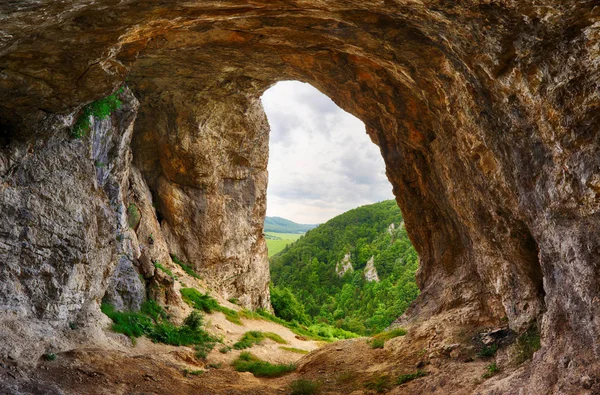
point(486, 115)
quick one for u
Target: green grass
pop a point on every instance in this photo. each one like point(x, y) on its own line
point(304, 387)
point(247, 362)
point(275, 246)
point(251, 338)
point(293, 349)
point(186, 268)
point(133, 216)
point(488, 351)
point(100, 109)
point(385, 336)
point(152, 321)
point(378, 384)
point(208, 304)
point(405, 378)
point(158, 265)
point(527, 344)
point(320, 332)
point(492, 369)
point(198, 300)
point(377, 343)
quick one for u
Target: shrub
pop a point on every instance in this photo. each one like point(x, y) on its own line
point(224, 349)
point(405, 378)
point(100, 109)
point(50, 356)
point(247, 362)
point(488, 351)
point(304, 387)
point(286, 306)
point(378, 384)
point(133, 216)
point(527, 344)
point(492, 369)
point(186, 268)
point(377, 343)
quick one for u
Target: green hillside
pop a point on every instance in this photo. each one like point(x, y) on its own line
point(282, 225)
point(307, 288)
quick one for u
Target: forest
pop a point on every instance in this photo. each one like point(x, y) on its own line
point(307, 288)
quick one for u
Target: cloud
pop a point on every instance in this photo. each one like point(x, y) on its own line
point(321, 161)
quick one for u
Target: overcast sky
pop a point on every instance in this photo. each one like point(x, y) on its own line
point(321, 161)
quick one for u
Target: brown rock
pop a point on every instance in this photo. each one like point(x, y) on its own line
point(486, 114)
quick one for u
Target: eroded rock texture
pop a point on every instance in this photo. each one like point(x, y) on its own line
point(486, 114)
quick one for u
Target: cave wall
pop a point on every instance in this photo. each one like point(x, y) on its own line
point(486, 114)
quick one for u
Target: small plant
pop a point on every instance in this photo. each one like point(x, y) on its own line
point(99, 165)
point(224, 349)
point(100, 109)
point(304, 387)
point(377, 343)
point(488, 351)
point(492, 369)
point(379, 384)
point(159, 266)
point(390, 334)
point(50, 356)
point(187, 372)
point(186, 268)
point(234, 300)
point(133, 216)
point(405, 378)
point(527, 344)
point(73, 325)
point(247, 362)
point(251, 338)
point(346, 377)
point(215, 365)
point(293, 349)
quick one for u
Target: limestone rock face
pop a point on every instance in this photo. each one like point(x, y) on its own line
point(370, 272)
point(344, 266)
point(486, 114)
point(61, 204)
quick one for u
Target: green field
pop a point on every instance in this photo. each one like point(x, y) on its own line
point(283, 239)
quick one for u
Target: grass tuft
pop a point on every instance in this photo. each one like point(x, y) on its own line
point(527, 344)
point(378, 384)
point(377, 343)
point(159, 266)
point(488, 351)
point(492, 369)
point(293, 349)
point(133, 216)
point(251, 338)
point(304, 387)
point(405, 378)
point(387, 335)
point(186, 268)
point(247, 362)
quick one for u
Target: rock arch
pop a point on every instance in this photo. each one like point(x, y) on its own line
point(485, 114)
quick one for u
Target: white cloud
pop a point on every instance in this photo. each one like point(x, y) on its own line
point(321, 161)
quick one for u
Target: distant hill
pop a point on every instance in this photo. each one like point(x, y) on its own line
point(356, 271)
point(282, 225)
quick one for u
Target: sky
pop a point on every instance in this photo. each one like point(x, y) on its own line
point(321, 161)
